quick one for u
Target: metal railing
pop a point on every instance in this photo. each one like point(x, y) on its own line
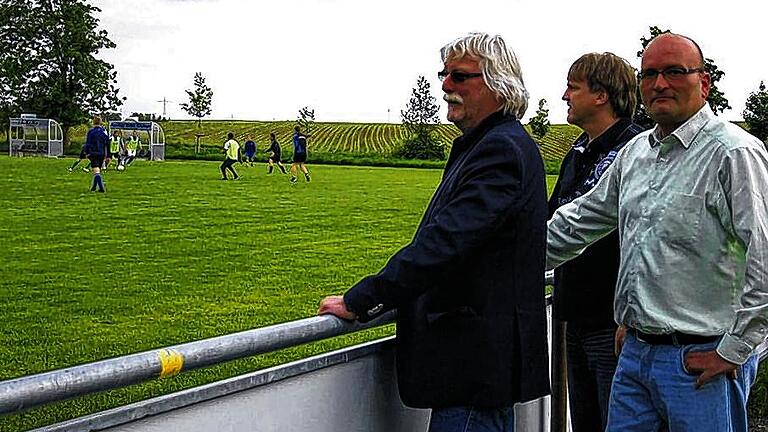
point(35, 390)
point(44, 388)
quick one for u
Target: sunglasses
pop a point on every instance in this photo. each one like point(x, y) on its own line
point(458, 77)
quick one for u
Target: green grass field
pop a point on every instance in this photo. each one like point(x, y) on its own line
point(172, 254)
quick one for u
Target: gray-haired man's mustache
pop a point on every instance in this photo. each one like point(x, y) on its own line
point(453, 98)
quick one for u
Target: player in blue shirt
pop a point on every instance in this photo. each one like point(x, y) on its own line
point(250, 150)
point(299, 154)
point(97, 148)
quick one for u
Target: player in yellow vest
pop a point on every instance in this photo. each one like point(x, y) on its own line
point(131, 147)
point(232, 150)
point(115, 148)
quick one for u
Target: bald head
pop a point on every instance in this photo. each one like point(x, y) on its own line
point(673, 84)
point(681, 43)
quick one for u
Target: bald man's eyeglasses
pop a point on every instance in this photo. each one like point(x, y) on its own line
point(669, 74)
point(457, 77)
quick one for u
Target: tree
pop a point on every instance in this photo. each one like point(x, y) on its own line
point(199, 104)
point(200, 99)
point(419, 120)
point(756, 113)
point(539, 123)
point(111, 116)
point(306, 120)
point(48, 57)
point(148, 117)
point(716, 98)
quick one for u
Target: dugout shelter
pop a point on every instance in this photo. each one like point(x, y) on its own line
point(32, 136)
point(150, 132)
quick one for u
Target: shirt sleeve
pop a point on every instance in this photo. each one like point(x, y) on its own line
point(583, 221)
point(746, 169)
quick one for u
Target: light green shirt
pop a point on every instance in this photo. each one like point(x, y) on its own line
point(692, 217)
point(232, 148)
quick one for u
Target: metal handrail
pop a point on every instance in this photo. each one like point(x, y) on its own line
point(40, 389)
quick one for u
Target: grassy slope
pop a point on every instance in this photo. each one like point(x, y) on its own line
point(350, 139)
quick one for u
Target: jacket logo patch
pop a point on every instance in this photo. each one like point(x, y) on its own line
point(376, 309)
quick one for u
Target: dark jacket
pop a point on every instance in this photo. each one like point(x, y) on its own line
point(585, 286)
point(250, 146)
point(274, 147)
point(96, 142)
point(469, 288)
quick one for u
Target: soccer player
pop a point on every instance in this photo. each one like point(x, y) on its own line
point(83, 156)
point(115, 148)
point(232, 150)
point(299, 154)
point(250, 150)
point(275, 153)
point(97, 147)
point(131, 146)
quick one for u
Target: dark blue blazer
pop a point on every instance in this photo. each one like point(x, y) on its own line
point(469, 288)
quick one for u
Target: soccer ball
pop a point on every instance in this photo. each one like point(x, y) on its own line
point(121, 167)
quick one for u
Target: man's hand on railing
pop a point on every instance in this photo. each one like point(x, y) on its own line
point(335, 305)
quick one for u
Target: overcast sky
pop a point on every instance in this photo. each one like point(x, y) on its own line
point(357, 60)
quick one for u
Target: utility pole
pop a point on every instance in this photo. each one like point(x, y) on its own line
point(165, 102)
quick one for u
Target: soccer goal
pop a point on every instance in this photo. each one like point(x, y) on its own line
point(32, 136)
point(150, 134)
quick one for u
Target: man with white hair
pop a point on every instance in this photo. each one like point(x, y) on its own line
point(471, 325)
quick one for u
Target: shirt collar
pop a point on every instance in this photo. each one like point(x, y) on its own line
point(687, 132)
point(605, 141)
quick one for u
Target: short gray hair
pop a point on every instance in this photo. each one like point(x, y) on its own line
point(499, 65)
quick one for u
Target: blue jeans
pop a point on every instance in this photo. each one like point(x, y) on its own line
point(591, 365)
point(653, 391)
point(468, 419)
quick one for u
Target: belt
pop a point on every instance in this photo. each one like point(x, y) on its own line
point(675, 338)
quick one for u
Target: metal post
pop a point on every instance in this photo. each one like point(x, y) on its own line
point(559, 410)
point(558, 417)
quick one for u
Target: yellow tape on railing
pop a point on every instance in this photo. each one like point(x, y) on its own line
point(171, 361)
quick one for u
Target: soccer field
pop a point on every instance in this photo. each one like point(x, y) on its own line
point(172, 254)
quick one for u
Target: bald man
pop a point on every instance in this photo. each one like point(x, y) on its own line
point(692, 217)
